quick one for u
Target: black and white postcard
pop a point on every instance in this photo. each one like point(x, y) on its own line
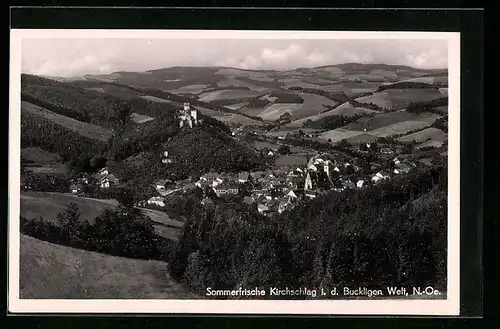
point(234, 172)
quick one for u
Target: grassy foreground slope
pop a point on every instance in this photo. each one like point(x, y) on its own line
point(51, 271)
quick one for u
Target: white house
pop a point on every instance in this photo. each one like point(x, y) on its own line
point(396, 161)
point(360, 183)
point(157, 200)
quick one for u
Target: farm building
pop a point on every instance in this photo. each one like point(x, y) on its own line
point(243, 177)
point(108, 181)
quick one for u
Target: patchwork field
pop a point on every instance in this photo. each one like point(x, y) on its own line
point(430, 143)
point(345, 109)
point(52, 271)
point(139, 118)
point(85, 129)
point(234, 94)
point(385, 119)
point(236, 106)
point(313, 104)
point(444, 91)
point(424, 135)
point(189, 89)
point(238, 83)
point(396, 99)
point(339, 134)
point(429, 79)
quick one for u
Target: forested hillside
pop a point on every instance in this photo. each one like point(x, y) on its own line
point(393, 233)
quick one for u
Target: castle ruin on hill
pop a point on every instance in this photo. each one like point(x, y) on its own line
point(188, 116)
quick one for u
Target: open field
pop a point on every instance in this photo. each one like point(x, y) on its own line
point(444, 91)
point(236, 106)
point(399, 128)
point(189, 89)
point(224, 94)
point(238, 119)
point(339, 134)
point(424, 135)
point(274, 111)
point(313, 104)
point(85, 129)
point(396, 99)
point(52, 271)
point(385, 119)
point(48, 205)
point(156, 99)
point(430, 143)
point(429, 79)
point(345, 109)
point(140, 118)
point(161, 217)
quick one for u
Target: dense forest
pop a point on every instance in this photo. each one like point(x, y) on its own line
point(393, 233)
point(407, 85)
point(330, 122)
point(428, 106)
point(192, 151)
point(339, 97)
point(71, 146)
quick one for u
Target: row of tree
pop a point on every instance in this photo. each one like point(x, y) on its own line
point(393, 233)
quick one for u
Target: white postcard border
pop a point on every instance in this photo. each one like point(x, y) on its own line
point(450, 306)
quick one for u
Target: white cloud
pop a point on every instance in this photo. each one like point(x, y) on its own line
point(70, 57)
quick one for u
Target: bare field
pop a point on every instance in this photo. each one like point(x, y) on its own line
point(190, 89)
point(85, 129)
point(339, 134)
point(385, 119)
point(424, 135)
point(313, 104)
point(235, 94)
point(399, 128)
point(51, 271)
point(431, 143)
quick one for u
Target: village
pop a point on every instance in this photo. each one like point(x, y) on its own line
point(272, 191)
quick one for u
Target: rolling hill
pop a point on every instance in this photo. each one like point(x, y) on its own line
point(51, 271)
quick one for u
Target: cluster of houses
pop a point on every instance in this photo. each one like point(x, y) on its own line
point(274, 191)
point(103, 178)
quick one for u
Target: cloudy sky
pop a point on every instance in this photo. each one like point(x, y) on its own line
point(73, 57)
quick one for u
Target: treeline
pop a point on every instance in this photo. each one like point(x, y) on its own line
point(71, 146)
point(70, 113)
point(339, 97)
point(90, 105)
point(286, 97)
point(124, 232)
point(407, 85)
point(427, 106)
point(331, 122)
point(393, 233)
point(45, 183)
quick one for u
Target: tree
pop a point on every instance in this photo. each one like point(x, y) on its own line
point(70, 216)
point(284, 149)
point(125, 197)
